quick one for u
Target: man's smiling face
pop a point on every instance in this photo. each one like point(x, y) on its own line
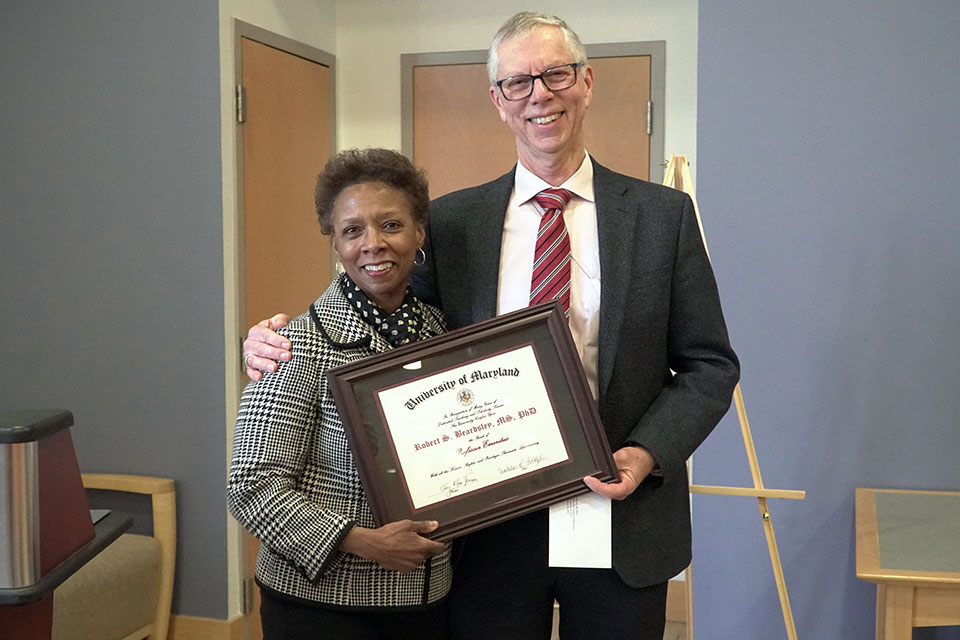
point(548, 125)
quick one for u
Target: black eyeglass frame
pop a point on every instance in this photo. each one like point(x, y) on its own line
point(540, 77)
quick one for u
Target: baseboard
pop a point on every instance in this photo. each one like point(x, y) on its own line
point(190, 628)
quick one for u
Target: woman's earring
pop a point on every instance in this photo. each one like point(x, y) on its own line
point(339, 267)
point(423, 257)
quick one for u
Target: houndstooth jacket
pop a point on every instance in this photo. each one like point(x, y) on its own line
point(293, 483)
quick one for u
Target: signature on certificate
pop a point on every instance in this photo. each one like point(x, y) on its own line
point(524, 464)
point(455, 485)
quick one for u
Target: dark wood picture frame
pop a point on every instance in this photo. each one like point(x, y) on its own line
point(355, 389)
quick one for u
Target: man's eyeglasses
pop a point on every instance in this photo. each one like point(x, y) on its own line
point(554, 79)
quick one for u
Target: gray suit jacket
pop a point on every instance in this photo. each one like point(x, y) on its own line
point(666, 369)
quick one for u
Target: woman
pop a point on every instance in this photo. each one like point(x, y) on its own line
point(324, 569)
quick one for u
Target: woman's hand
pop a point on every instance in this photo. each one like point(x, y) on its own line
point(398, 546)
point(264, 347)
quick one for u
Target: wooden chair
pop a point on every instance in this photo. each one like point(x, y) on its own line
point(125, 592)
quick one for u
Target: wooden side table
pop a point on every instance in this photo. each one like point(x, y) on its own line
point(908, 544)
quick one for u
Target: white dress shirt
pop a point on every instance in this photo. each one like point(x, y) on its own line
point(517, 249)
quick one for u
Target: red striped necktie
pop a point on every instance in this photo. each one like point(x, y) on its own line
point(551, 257)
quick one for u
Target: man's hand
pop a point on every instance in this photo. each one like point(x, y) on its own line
point(264, 347)
point(634, 463)
point(398, 546)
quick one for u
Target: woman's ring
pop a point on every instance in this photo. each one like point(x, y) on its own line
point(246, 360)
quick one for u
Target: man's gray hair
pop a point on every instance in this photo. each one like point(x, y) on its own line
point(525, 22)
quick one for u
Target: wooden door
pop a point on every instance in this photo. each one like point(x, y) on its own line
point(287, 137)
point(458, 138)
point(615, 128)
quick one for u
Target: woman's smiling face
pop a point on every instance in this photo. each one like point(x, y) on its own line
point(377, 238)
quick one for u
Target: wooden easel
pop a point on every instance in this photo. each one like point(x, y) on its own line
point(677, 175)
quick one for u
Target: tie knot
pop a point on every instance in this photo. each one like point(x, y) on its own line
point(550, 199)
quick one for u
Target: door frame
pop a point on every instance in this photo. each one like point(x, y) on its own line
point(233, 259)
point(656, 49)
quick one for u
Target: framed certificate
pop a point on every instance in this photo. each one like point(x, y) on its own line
point(474, 426)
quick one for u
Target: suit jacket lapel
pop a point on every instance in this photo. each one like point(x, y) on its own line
point(484, 226)
point(616, 226)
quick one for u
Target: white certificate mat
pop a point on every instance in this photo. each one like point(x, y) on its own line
point(580, 532)
point(472, 426)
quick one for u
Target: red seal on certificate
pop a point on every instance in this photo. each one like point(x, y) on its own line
point(465, 397)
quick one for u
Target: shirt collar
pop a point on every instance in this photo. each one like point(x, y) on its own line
point(527, 185)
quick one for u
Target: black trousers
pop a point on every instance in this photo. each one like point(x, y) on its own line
point(284, 619)
point(503, 589)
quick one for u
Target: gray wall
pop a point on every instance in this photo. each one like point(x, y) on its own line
point(112, 294)
point(828, 157)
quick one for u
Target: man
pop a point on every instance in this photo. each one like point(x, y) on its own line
point(645, 315)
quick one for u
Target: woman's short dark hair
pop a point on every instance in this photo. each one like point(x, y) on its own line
point(358, 166)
